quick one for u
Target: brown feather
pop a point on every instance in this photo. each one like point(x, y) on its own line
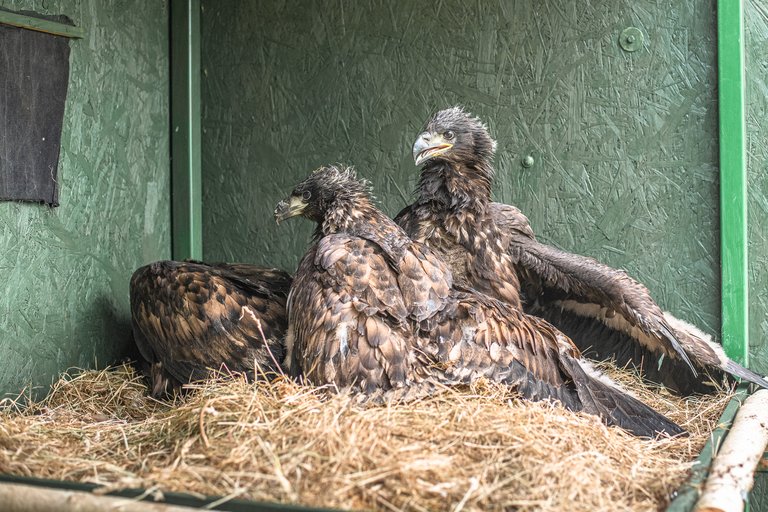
point(491, 248)
point(191, 317)
point(410, 326)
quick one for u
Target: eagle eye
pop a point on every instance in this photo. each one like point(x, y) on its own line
point(306, 195)
point(449, 135)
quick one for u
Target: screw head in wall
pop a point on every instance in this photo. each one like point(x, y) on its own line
point(528, 161)
point(631, 39)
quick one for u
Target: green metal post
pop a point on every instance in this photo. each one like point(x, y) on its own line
point(185, 130)
point(688, 493)
point(733, 180)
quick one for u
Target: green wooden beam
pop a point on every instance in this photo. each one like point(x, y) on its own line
point(688, 494)
point(41, 25)
point(168, 497)
point(733, 180)
point(185, 130)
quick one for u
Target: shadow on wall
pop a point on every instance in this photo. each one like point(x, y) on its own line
point(103, 320)
point(116, 332)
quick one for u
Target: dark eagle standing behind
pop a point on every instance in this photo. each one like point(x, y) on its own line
point(491, 247)
point(372, 310)
point(189, 318)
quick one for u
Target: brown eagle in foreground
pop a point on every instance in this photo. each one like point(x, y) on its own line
point(491, 247)
point(372, 310)
point(190, 318)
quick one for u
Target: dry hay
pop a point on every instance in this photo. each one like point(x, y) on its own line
point(470, 449)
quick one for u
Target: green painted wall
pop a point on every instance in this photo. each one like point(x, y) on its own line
point(756, 26)
point(625, 143)
point(65, 271)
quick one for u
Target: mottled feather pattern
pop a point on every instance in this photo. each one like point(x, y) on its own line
point(559, 275)
point(358, 318)
point(492, 248)
point(479, 337)
point(348, 317)
point(358, 267)
point(189, 318)
point(425, 282)
point(470, 243)
point(498, 334)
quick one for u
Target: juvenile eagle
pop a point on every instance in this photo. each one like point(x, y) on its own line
point(491, 247)
point(372, 310)
point(189, 318)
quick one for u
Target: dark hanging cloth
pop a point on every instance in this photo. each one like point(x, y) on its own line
point(34, 72)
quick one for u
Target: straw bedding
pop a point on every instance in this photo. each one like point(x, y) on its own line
point(478, 448)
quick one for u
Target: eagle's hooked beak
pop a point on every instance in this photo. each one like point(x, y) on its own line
point(288, 208)
point(428, 146)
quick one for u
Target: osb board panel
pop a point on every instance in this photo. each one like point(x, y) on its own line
point(758, 498)
point(756, 25)
point(625, 143)
point(65, 271)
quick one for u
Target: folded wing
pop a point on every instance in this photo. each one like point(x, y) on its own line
point(189, 318)
point(482, 337)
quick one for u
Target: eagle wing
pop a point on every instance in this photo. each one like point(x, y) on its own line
point(273, 280)
point(424, 280)
point(361, 317)
point(482, 337)
point(347, 317)
point(609, 315)
point(190, 318)
point(584, 287)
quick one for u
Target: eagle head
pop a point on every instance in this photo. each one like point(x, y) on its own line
point(321, 191)
point(453, 135)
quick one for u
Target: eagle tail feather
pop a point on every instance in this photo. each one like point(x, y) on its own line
point(737, 370)
point(615, 406)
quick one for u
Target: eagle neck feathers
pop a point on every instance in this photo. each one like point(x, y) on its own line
point(455, 186)
point(357, 216)
point(459, 193)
